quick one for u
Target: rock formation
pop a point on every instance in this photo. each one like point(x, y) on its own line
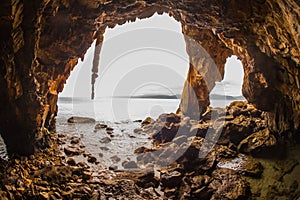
point(41, 42)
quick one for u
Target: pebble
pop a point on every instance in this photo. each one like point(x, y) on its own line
point(87, 175)
point(105, 140)
point(109, 132)
point(115, 159)
point(75, 140)
point(71, 161)
point(137, 130)
point(91, 159)
point(72, 151)
point(109, 129)
point(104, 148)
point(113, 167)
point(100, 126)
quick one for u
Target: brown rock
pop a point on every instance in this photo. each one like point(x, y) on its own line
point(91, 159)
point(228, 184)
point(260, 143)
point(109, 129)
point(147, 121)
point(100, 126)
point(87, 175)
point(71, 161)
point(69, 151)
point(75, 140)
point(171, 179)
point(141, 149)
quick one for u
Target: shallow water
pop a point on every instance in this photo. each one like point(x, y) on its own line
point(119, 114)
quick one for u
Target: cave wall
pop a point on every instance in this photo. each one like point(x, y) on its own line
point(44, 39)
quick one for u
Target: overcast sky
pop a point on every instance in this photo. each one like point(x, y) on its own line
point(144, 57)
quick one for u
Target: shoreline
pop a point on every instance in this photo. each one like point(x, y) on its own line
point(233, 169)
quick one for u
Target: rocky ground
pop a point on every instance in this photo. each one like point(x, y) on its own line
point(226, 154)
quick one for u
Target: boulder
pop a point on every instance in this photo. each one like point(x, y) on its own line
point(259, 144)
point(147, 121)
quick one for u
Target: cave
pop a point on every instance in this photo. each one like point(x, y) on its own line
point(131, 74)
point(230, 86)
point(38, 59)
point(43, 41)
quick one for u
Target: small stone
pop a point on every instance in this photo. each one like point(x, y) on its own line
point(109, 132)
point(60, 135)
point(104, 148)
point(137, 130)
point(129, 164)
point(72, 151)
point(87, 175)
point(109, 129)
point(138, 120)
point(113, 167)
point(71, 161)
point(82, 164)
point(100, 126)
point(115, 159)
point(147, 121)
point(91, 159)
point(75, 140)
point(105, 140)
point(86, 154)
point(141, 149)
point(171, 178)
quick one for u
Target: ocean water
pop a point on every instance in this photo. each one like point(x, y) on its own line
point(115, 109)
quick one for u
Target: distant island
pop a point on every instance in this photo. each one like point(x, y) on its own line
point(228, 97)
point(152, 96)
point(155, 96)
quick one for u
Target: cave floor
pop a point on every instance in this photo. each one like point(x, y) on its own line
point(261, 170)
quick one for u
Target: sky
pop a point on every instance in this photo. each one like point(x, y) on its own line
point(144, 57)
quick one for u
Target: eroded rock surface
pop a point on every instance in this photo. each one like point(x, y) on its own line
point(42, 41)
point(236, 164)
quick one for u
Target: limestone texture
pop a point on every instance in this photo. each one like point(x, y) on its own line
point(42, 40)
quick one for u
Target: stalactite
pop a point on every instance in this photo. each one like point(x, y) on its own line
point(95, 66)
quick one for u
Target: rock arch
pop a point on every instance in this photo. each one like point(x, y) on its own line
point(44, 39)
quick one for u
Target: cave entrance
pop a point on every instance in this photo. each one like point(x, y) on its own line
point(142, 70)
point(230, 88)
